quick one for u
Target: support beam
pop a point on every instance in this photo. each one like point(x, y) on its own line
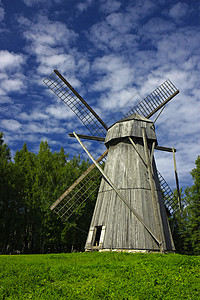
point(152, 151)
point(88, 137)
point(119, 193)
point(152, 186)
point(177, 181)
point(167, 149)
point(134, 146)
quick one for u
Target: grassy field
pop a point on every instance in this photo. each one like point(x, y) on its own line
point(100, 276)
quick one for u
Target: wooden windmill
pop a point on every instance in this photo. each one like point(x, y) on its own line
point(130, 212)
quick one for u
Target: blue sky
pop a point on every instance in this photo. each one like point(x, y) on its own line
point(114, 53)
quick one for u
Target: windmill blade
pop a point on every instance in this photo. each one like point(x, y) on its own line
point(169, 200)
point(153, 102)
point(75, 196)
point(61, 87)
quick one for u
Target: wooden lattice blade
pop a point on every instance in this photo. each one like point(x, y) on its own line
point(156, 100)
point(170, 202)
point(77, 194)
point(61, 87)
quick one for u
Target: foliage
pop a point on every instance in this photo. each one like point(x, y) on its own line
point(29, 185)
point(100, 276)
point(193, 209)
point(186, 226)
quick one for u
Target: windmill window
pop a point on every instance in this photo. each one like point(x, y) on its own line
point(98, 230)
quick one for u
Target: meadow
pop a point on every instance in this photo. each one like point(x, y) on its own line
point(100, 276)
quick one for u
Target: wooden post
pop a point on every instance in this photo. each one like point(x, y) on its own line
point(152, 186)
point(177, 182)
point(134, 145)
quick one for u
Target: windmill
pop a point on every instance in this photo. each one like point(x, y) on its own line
point(130, 211)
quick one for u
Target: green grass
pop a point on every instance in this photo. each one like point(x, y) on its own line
point(100, 276)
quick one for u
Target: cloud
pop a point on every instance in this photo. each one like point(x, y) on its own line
point(109, 6)
point(32, 3)
point(11, 61)
point(156, 27)
point(2, 12)
point(83, 6)
point(108, 67)
point(11, 124)
point(12, 83)
point(35, 115)
point(59, 111)
point(50, 42)
point(46, 32)
point(179, 10)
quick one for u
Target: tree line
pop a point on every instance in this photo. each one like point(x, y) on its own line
point(30, 183)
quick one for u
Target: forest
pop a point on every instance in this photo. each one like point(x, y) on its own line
point(30, 183)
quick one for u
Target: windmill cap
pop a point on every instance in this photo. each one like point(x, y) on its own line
point(135, 116)
point(131, 127)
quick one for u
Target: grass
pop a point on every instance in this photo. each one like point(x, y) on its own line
point(100, 276)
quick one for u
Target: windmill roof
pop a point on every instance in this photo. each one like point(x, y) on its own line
point(135, 116)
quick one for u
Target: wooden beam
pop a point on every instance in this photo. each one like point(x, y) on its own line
point(88, 137)
point(177, 182)
point(134, 146)
point(152, 186)
point(167, 149)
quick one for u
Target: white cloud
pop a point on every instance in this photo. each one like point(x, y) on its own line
point(12, 83)
point(2, 14)
point(59, 111)
point(109, 6)
point(35, 115)
point(120, 22)
point(10, 60)
point(32, 3)
point(113, 34)
point(11, 124)
point(82, 6)
point(47, 32)
point(50, 42)
point(109, 66)
point(179, 10)
point(156, 27)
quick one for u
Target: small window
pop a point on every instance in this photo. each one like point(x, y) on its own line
point(97, 235)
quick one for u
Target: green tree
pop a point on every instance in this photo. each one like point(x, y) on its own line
point(25, 166)
point(179, 226)
point(10, 205)
point(29, 185)
point(193, 199)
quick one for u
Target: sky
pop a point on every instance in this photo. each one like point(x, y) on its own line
point(114, 53)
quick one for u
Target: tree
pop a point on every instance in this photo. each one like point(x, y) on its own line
point(10, 206)
point(193, 199)
point(179, 226)
point(29, 185)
